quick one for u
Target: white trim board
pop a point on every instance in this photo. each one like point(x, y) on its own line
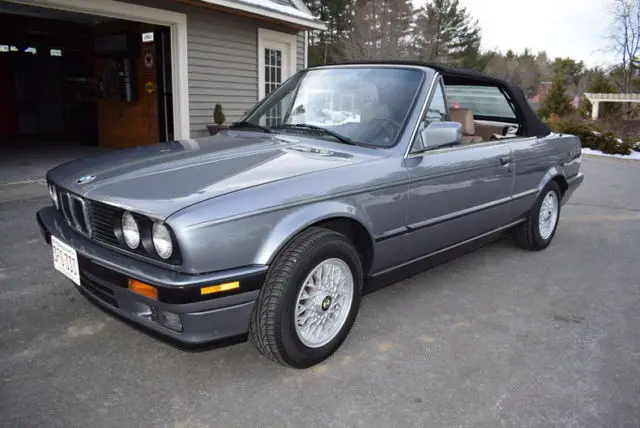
point(286, 15)
point(287, 39)
point(177, 22)
point(306, 49)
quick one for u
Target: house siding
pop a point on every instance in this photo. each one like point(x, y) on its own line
point(222, 61)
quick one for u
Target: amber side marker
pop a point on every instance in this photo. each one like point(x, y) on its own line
point(144, 289)
point(220, 287)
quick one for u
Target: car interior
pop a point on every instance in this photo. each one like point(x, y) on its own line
point(478, 131)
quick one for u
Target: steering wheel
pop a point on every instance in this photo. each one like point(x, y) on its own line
point(383, 128)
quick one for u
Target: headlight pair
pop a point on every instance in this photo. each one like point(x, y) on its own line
point(160, 235)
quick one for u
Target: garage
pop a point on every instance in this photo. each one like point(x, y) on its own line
point(78, 78)
point(70, 79)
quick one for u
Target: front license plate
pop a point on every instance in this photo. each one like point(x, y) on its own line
point(65, 260)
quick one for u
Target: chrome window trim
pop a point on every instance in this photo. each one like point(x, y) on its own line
point(469, 146)
point(436, 78)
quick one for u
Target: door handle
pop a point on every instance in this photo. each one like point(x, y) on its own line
point(505, 160)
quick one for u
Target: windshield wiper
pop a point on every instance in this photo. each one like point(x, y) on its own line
point(245, 124)
point(318, 129)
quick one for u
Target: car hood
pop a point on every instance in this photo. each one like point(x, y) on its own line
point(161, 179)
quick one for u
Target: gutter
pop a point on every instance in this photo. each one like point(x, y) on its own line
point(257, 7)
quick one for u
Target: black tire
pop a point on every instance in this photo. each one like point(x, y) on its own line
point(272, 325)
point(527, 235)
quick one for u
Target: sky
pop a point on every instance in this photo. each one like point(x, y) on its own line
point(573, 28)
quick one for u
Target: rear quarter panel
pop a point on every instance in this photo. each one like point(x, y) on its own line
point(538, 160)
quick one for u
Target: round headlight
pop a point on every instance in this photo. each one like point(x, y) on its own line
point(130, 230)
point(162, 240)
point(53, 194)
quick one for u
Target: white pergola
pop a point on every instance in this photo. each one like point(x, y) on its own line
point(596, 99)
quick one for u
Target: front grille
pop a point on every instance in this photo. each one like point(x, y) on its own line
point(75, 212)
point(101, 223)
point(103, 219)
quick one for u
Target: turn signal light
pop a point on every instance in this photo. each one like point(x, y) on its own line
point(220, 287)
point(144, 289)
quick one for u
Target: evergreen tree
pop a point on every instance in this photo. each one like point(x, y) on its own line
point(557, 102)
point(324, 45)
point(445, 32)
point(601, 85)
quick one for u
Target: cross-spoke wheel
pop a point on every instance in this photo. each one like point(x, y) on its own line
point(548, 216)
point(323, 303)
point(540, 226)
point(310, 299)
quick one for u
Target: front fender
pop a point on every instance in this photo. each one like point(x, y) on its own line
point(305, 216)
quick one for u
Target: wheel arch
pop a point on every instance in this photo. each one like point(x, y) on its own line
point(341, 217)
point(556, 174)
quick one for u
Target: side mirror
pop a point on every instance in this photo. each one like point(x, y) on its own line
point(438, 134)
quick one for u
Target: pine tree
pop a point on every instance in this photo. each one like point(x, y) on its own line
point(445, 32)
point(324, 45)
point(601, 85)
point(557, 102)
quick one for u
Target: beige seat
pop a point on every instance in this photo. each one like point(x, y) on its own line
point(465, 117)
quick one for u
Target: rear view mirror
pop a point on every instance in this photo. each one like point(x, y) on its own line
point(438, 134)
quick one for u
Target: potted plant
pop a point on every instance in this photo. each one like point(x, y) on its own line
point(218, 119)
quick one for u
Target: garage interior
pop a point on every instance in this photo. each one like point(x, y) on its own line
point(73, 84)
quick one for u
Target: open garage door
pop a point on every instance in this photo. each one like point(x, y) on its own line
point(73, 84)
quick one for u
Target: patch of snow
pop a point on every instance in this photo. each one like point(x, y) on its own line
point(634, 155)
point(275, 7)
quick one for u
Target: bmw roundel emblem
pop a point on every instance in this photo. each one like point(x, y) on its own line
point(85, 179)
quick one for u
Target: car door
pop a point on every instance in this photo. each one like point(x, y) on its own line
point(455, 193)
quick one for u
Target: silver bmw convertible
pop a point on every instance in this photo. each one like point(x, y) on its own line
point(345, 178)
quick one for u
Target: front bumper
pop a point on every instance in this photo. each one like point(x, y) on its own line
point(104, 275)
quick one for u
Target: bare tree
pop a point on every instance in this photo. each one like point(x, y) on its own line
point(625, 40)
point(380, 29)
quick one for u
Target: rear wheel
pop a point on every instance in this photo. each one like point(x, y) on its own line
point(540, 227)
point(310, 299)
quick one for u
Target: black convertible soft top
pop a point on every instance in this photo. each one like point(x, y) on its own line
point(533, 126)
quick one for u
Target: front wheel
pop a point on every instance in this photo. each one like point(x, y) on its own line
point(310, 299)
point(540, 227)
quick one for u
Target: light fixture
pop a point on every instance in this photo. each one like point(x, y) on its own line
point(162, 240)
point(130, 230)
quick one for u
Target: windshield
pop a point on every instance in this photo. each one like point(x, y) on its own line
point(359, 105)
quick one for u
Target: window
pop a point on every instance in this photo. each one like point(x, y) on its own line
point(272, 69)
point(272, 79)
point(276, 61)
point(481, 100)
point(437, 110)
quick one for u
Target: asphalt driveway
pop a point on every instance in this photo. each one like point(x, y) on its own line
point(500, 337)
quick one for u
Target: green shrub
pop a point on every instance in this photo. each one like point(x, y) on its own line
point(592, 135)
point(218, 115)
